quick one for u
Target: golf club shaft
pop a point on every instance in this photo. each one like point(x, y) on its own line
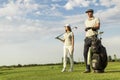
point(64, 32)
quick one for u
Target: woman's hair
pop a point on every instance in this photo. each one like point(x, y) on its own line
point(69, 28)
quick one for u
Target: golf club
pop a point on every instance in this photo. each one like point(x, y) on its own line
point(64, 32)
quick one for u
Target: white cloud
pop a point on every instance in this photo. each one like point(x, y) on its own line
point(109, 3)
point(9, 9)
point(22, 30)
point(9, 18)
point(77, 3)
point(56, 0)
point(110, 15)
point(68, 6)
point(19, 30)
point(23, 8)
point(38, 13)
point(74, 19)
point(55, 6)
point(46, 10)
point(19, 7)
point(15, 27)
point(85, 3)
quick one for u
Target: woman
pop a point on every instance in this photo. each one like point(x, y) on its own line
point(68, 41)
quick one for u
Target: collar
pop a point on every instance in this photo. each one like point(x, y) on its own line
point(91, 18)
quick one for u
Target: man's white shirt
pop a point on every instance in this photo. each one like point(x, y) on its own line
point(91, 22)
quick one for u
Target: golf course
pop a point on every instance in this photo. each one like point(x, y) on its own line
point(53, 72)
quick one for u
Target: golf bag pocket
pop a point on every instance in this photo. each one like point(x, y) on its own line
point(96, 62)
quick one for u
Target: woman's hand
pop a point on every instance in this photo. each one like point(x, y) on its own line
point(72, 48)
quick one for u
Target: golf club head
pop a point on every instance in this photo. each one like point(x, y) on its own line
point(101, 32)
point(75, 27)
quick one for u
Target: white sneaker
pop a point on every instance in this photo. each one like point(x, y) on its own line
point(63, 70)
point(70, 70)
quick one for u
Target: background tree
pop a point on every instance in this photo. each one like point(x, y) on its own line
point(109, 58)
point(115, 57)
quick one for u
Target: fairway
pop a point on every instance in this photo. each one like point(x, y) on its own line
point(53, 72)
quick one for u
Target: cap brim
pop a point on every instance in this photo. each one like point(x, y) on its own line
point(88, 11)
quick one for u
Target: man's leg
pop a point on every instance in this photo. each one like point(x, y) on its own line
point(89, 56)
point(86, 48)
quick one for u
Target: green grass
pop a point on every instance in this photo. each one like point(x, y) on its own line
point(53, 72)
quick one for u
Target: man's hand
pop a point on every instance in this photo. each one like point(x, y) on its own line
point(94, 28)
point(86, 29)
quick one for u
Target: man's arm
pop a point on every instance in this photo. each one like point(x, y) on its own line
point(97, 25)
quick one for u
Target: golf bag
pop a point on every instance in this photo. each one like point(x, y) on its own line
point(98, 55)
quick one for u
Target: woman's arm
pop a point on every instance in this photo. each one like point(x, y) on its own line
point(73, 42)
point(60, 39)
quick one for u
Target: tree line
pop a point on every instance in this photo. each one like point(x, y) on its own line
point(110, 59)
point(113, 59)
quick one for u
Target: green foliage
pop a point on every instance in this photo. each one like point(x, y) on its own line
point(53, 72)
point(109, 58)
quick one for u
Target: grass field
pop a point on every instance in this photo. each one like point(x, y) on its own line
point(53, 72)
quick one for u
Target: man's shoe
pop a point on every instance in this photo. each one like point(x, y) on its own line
point(87, 71)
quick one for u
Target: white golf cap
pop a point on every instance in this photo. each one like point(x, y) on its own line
point(67, 25)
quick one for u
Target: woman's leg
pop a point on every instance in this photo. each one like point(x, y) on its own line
point(71, 57)
point(65, 51)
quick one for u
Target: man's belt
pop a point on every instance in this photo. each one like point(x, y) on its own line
point(93, 36)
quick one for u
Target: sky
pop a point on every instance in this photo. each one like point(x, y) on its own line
point(28, 28)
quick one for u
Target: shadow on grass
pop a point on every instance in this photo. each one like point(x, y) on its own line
point(112, 71)
point(107, 71)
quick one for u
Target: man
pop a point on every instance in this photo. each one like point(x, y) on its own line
point(92, 25)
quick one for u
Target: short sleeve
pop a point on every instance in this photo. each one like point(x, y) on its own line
point(63, 35)
point(72, 34)
point(97, 20)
